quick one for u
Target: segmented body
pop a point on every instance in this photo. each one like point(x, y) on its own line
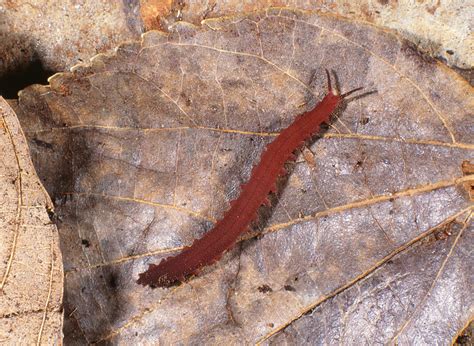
point(243, 210)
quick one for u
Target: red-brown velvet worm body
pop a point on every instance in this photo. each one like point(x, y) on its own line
point(243, 211)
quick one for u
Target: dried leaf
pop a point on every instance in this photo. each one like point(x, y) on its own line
point(396, 303)
point(440, 29)
point(142, 151)
point(31, 275)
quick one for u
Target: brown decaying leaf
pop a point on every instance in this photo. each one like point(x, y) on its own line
point(142, 151)
point(439, 28)
point(371, 309)
point(31, 275)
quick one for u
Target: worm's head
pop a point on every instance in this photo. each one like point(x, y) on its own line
point(334, 92)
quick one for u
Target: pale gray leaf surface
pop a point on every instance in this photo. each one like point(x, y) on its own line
point(143, 150)
point(396, 303)
point(441, 28)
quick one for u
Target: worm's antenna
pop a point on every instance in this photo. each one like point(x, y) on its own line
point(330, 89)
point(351, 91)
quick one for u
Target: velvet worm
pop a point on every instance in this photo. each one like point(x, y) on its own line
point(254, 193)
